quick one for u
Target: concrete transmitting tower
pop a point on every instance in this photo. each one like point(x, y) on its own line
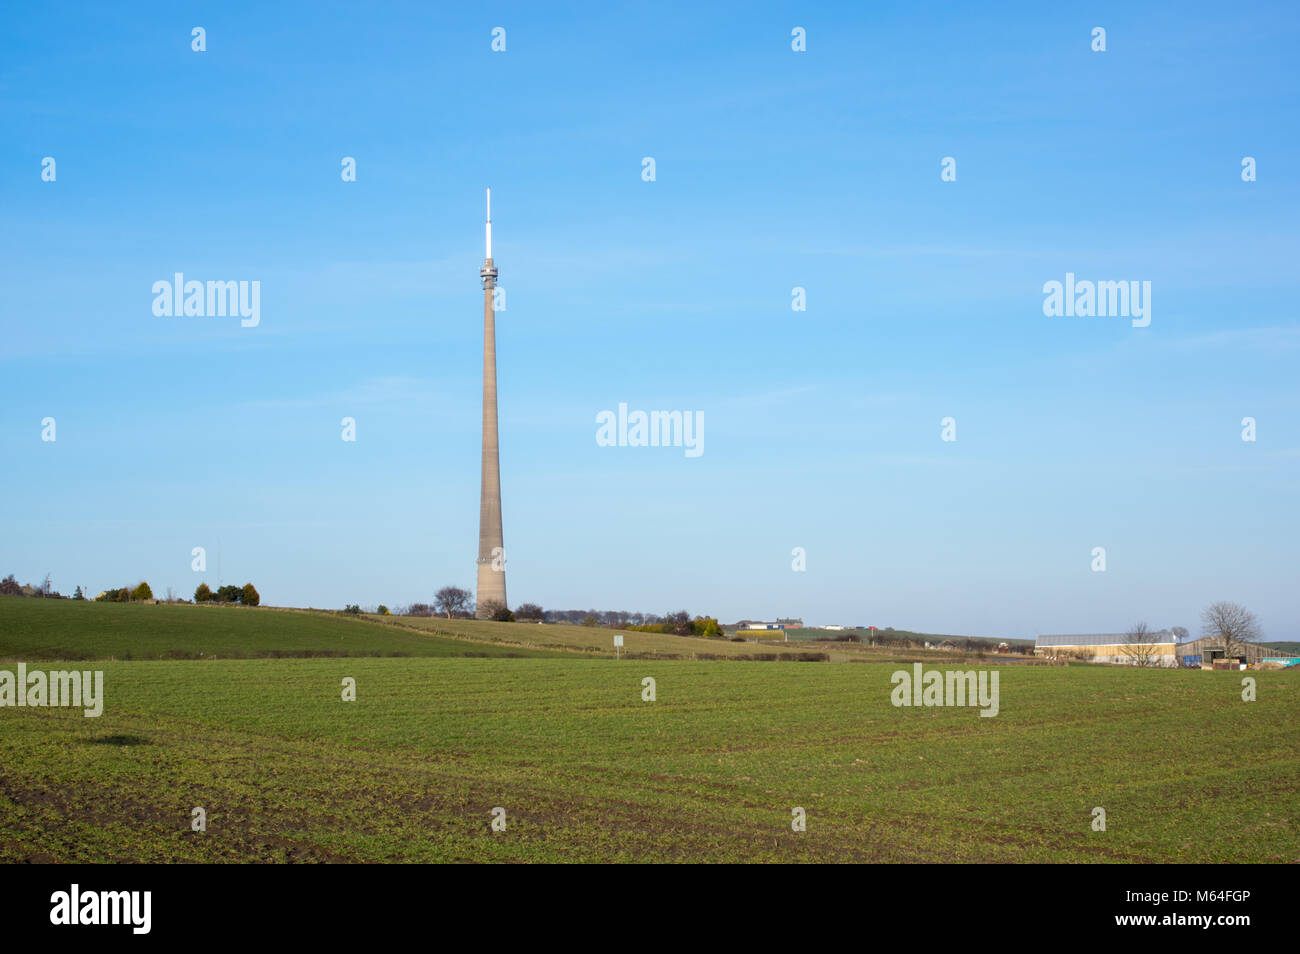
point(491, 545)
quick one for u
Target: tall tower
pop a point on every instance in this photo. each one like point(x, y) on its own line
point(491, 546)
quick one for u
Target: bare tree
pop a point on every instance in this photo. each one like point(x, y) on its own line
point(529, 611)
point(1232, 623)
point(452, 600)
point(1140, 645)
point(1180, 636)
point(679, 622)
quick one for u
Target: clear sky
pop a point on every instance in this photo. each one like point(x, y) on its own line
point(774, 169)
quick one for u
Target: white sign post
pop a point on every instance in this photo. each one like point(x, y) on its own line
point(618, 645)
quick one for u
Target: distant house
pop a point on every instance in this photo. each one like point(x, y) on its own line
point(947, 645)
point(752, 624)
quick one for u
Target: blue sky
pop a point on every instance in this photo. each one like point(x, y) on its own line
point(775, 169)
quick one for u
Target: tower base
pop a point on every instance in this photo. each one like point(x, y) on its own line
point(491, 589)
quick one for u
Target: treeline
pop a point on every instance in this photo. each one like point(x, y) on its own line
point(680, 623)
point(890, 638)
point(246, 594)
point(455, 602)
point(613, 619)
point(11, 587)
point(125, 594)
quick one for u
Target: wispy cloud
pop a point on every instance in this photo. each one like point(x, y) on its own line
point(391, 390)
point(1284, 338)
point(767, 398)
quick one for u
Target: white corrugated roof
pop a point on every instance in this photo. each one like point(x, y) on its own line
point(1099, 639)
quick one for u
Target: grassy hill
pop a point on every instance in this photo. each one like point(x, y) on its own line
point(596, 640)
point(866, 636)
point(33, 629)
point(1286, 647)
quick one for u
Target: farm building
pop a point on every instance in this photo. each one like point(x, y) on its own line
point(1207, 653)
point(1161, 648)
point(751, 624)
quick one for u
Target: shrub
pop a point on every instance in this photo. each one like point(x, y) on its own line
point(705, 626)
point(679, 623)
point(352, 609)
point(9, 586)
point(383, 610)
point(142, 592)
point(229, 594)
point(529, 611)
point(498, 611)
point(202, 594)
point(249, 595)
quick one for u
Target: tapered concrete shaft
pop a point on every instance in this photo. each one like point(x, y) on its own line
point(491, 544)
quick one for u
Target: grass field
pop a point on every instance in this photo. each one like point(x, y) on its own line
point(65, 629)
point(597, 640)
point(32, 629)
point(1288, 647)
point(588, 771)
point(867, 636)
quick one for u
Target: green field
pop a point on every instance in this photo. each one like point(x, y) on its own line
point(32, 629)
point(586, 770)
point(600, 641)
point(1285, 647)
